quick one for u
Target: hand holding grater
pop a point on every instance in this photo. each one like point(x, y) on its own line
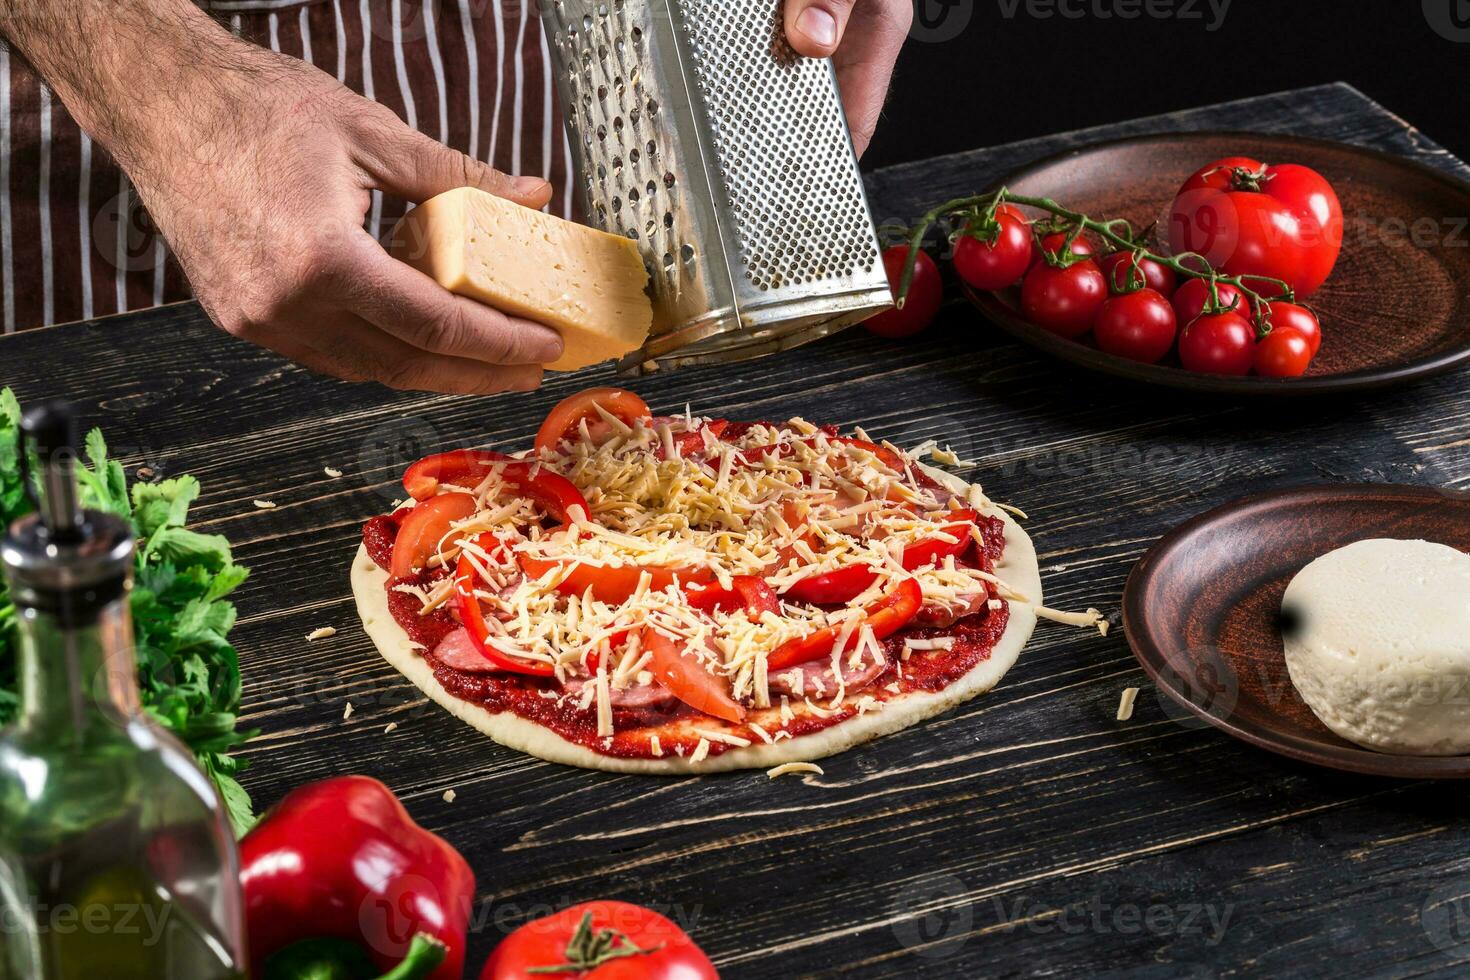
point(700, 134)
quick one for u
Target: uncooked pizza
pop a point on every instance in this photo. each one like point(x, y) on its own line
point(683, 594)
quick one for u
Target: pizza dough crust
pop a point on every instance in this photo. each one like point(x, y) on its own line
point(1018, 568)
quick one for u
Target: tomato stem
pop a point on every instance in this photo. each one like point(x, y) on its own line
point(1116, 232)
point(587, 950)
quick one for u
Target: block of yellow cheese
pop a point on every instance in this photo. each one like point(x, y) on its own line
point(587, 284)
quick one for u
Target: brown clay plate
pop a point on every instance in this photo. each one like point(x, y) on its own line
point(1200, 611)
point(1397, 306)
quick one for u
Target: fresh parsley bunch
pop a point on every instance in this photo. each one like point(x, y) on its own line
point(188, 673)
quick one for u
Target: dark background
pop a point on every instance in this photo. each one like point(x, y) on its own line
point(999, 78)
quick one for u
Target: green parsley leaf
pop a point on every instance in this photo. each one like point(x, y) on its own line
point(188, 673)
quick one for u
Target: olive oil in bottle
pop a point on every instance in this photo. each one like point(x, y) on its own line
point(116, 858)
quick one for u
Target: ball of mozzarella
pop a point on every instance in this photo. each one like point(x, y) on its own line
point(1377, 638)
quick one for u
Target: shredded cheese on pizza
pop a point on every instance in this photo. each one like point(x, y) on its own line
point(675, 508)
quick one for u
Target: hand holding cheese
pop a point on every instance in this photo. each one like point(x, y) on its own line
point(587, 284)
point(260, 180)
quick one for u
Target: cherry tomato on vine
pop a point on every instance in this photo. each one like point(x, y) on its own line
point(1248, 218)
point(1064, 301)
point(997, 264)
point(1290, 316)
point(1189, 300)
point(1137, 325)
point(1052, 244)
point(1118, 269)
point(1218, 343)
point(1283, 354)
point(926, 294)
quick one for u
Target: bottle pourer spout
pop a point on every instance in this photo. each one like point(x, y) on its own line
point(50, 431)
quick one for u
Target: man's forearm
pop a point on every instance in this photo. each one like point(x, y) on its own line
point(119, 66)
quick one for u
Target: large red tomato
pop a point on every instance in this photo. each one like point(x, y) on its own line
point(600, 941)
point(1248, 218)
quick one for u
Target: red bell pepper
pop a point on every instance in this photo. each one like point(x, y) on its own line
point(553, 492)
point(832, 588)
point(886, 616)
point(692, 442)
point(337, 870)
point(932, 551)
point(846, 584)
point(473, 617)
point(749, 592)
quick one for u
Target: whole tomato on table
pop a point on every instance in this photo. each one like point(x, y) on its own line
point(1249, 218)
point(602, 940)
point(921, 305)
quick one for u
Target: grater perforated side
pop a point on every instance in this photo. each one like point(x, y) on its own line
point(700, 134)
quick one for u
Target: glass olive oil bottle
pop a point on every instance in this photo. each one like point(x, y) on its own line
point(116, 858)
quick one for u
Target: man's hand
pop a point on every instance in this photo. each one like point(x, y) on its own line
point(258, 169)
point(863, 38)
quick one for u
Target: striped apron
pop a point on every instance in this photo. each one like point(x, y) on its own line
point(75, 242)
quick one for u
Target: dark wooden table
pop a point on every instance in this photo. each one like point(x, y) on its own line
point(1026, 832)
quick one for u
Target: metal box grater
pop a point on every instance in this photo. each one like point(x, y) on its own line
point(699, 133)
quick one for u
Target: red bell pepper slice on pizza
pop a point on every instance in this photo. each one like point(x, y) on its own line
point(552, 492)
point(885, 617)
point(846, 584)
point(691, 443)
point(473, 617)
point(749, 592)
